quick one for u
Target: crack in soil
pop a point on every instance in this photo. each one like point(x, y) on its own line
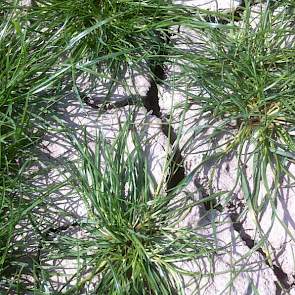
point(282, 285)
point(151, 100)
point(177, 172)
point(151, 103)
point(110, 105)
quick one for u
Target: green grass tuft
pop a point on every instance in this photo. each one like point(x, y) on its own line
point(247, 80)
point(133, 243)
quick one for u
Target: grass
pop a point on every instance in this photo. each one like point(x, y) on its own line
point(105, 39)
point(131, 240)
point(33, 44)
point(108, 34)
point(23, 67)
point(246, 78)
point(14, 125)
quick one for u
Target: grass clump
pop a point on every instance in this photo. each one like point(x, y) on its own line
point(109, 34)
point(14, 125)
point(247, 79)
point(250, 80)
point(24, 67)
point(133, 244)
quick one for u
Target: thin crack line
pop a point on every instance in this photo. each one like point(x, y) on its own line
point(281, 276)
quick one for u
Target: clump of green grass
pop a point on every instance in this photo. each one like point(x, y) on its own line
point(24, 66)
point(24, 71)
point(32, 43)
point(13, 124)
point(247, 78)
point(132, 242)
point(104, 36)
point(101, 28)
